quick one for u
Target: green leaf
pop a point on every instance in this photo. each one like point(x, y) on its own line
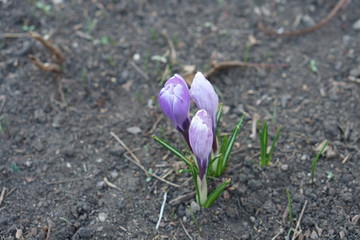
point(216, 193)
point(172, 149)
point(224, 145)
point(194, 173)
point(289, 206)
point(263, 135)
point(14, 167)
point(231, 142)
point(219, 114)
point(150, 171)
point(314, 163)
point(273, 145)
point(329, 175)
point(184, 171)
point(313, 66)
point(214, 158)
point(104, 40)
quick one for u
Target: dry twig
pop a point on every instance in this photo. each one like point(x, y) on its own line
point(297, 229)
point(50, 226)
point(46, 67)
point(13, 35)
point(136, 161)
point(186, 232)
point(324, 21)
point(255, 119)
point(171, 46)
point(59, 57)
point(182, 198)
point(161, 211)
point(229, 64)
point(139, 70)
point(2, 196)
point(106, 181)
point(5, 193)
point(3, 98)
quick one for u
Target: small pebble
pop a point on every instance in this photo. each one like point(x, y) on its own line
point(58, 120)
point(133, 130)
point(85, 232)
point(284, 167)
point(40, 116)
point(226, 194)
point(355, 72)
point(314, 235)
point(28, 163)
point(102, 217)
point(194, 207)
point(100, 185)
point(117, 150)
point(356, 25)
point(308, 21)
point(342, 234)
point(38, 145)
point(114, 174)
point(225, 109)
point(347, 197)
point(254, 184)
point(136, 57)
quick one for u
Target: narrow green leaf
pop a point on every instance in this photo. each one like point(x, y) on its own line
point(214, 158)
point(313, 66)
point(289, 207)
point(273, 144)
point(314, 163)
point(224, 145)
point(216, 193)
point(14, 167)
point(194, 173)
point(263, 144)
point(219, 114)
point(183, 171)
point(172, 149)
point(231, 142)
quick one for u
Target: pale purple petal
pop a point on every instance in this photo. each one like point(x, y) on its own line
point(201, 139)
point(204, 95)
point(177, 79)
point(174, 100)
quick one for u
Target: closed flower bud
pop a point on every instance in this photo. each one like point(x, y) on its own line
point(201, 139)
point(203, 94)
point(174, 100)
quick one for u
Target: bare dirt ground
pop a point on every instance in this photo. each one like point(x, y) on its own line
point(64, 176)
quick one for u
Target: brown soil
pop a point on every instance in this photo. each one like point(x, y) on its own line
point(59, 163)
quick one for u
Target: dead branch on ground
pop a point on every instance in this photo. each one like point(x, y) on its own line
point(320, 24)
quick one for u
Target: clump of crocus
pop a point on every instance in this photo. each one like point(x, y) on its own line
point(210, 156)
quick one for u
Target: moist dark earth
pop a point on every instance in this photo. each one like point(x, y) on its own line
point(63, 175)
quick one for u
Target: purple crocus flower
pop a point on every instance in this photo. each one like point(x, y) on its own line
point(201, 139)
point(174, 100)
point(205, 97)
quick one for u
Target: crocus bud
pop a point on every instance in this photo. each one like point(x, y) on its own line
point(203, 94)
point(174, 100)
point(201, 139)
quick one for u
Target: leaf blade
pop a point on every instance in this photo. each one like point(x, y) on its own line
point(172, 149)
